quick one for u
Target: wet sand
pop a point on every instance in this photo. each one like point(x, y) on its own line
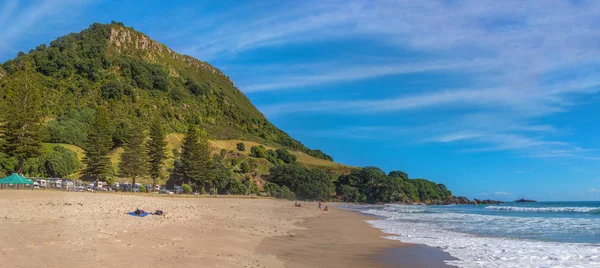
point(415, 256)
point(342, 238)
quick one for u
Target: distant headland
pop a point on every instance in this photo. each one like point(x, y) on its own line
point(523, 200)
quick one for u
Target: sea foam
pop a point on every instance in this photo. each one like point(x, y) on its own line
point(409, 224)
point(546, 209)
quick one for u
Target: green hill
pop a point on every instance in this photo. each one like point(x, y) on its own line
point(136, 78)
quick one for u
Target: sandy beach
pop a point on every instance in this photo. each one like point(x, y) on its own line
point(60, 229)
point(64, 229)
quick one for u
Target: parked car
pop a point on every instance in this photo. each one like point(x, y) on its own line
point(36, 185)
point(125, 187)
point(178, 189)
point(165, 191)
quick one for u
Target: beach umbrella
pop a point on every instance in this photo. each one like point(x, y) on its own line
point(15, 179)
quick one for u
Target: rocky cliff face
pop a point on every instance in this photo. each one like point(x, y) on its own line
point(124, 39)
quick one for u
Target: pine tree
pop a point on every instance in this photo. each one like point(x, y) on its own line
point(190, 156)
point(196, 161)
point(97, 147)
point(134, 158)
point(206, 161)
point(23, 117)
point(156, 150)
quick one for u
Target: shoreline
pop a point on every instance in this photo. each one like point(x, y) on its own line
point(344, 238)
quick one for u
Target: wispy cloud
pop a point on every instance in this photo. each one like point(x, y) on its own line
point(530, 60)
point(346, 74)
point(501, 193)
point(593, 191)
point(18, 19)
point(272, 24)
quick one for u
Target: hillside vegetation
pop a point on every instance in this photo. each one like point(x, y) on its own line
point(111, 104)
point(233, 155)
point(137, 78)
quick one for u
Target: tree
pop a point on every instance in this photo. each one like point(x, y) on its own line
point(97, 147)
point(157, 146)
point(134, 158)
point(196, 163)
point(372, 185)
point(222, 176)
point(310, 184)
point(399, 174)
point(23, 116)
point(190, 156)
point(60, 162)
point(206, 163)
point(241, 146)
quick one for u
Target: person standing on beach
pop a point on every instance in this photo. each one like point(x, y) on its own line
point(319, 208)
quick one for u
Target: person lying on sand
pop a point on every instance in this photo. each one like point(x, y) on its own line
point(139, 211)
point(326, 209)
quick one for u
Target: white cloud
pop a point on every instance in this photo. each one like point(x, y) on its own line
point(593, 191)
point(501, 193)
point(483, 193)
point(525, 60)
point(345, 74)
point(18, 19)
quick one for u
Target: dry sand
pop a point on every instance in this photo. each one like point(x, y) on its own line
point(60, 229)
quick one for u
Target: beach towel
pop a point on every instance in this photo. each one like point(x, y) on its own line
point(139, 215)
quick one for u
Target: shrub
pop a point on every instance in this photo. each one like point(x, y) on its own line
point(245, 167)
point(143, 189)
point(319, 154)
point(241, 146)
point(274, 190)
point(258, 151)
point(187, 189)
point(236, 186)
point(285, 156)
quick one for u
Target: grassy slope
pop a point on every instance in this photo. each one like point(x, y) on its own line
point(174, 142)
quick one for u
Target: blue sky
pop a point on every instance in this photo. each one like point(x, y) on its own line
point(495, 99)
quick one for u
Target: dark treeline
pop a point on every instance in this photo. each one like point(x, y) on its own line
point(366, 185)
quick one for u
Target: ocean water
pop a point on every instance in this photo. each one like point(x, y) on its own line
point(543, 234)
